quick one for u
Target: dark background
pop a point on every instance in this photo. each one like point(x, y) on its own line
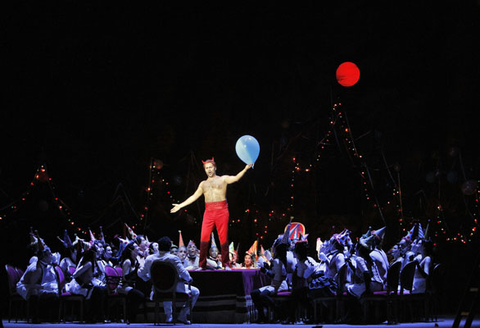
point(96, 91)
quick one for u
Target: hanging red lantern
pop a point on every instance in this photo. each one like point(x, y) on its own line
point(348, 74)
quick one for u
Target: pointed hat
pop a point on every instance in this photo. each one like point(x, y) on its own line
point(343, 238)
point(413, 233)
point(253, 249)
point(41, 244)
point(427, 232)
point(409, 236)
point(33, 238)
point(368, 233)
point(102, 236)
point(304, 237)
point(286, 234)
point(133, 235)
point(231, 248)
point(380, 233)
point(123, 241)
point(262, 250)
point(180, 239)
point(265, 255)
point(367, 242)
point(92, 237)
point(421, 234)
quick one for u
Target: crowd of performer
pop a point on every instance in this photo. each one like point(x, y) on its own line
point(291, 264)
point(364, 266)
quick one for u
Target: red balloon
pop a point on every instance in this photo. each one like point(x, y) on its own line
point(348, 74)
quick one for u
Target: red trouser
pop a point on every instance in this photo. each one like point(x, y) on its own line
point(216, 214)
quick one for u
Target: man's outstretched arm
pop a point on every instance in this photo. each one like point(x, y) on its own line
point(196, 195)
point(234, 178)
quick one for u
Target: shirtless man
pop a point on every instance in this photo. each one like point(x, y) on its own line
point(214, 189)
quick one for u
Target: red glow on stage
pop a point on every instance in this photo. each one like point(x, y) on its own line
point(348, 74)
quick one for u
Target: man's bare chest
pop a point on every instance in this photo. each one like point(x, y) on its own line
point(214, 185)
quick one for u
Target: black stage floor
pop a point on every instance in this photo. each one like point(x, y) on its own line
point(441, 323)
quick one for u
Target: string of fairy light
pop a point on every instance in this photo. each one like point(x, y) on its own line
point(42, 176)
point(460, 237)
point(155, 177)
point(339, 125)
point(368, 185)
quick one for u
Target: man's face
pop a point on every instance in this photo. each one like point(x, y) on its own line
point(248, 260)
point(99, 249)
point(192, 250)
point(394, 251)
point(108, 253)
point(210, 169)
point(213, 252)
point(182, 252)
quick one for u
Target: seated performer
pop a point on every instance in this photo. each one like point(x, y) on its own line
point(366, 280)
point(261, 297)
point(396, 254)
point(324, 283)
point(213, 262)
point(108, 255)
point(423, 249)
point(264, 257)
point(85, 281)
point(306, 267)
point(182, 254)
point(323, 250)
point(143, 272)
point(152, 248)
point(192, 259)
point(38, 285)
point(99, 247)
point(249, 261)
point(233, 257)
point(366, 276)
point(407, 241)
point(174, 250)
point(68, 255)
point(378, 255)
point(164, 245)
point(127, 285)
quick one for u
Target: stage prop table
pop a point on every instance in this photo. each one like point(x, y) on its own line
point(225, 295)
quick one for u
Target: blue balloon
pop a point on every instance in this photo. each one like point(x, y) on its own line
point(248, 149)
